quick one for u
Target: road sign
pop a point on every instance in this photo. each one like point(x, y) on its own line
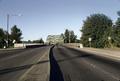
point(90, 39)
point(14, 41)
point(109, 38)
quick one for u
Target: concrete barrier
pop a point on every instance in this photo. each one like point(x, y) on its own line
point(19, 45)
point(74, 45)
point(28, 45)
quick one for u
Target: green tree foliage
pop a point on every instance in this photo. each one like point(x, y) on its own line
point(117, 31)
point(69, 36)
point(38, 41)
point(78, 41)
point(66, 36)
point(2, 34)
point(16, 34)
point(63, 36)
point(118, 13)
point(41, 40)
point(2, 38)
point(72, 37)
point(29, 41)
point(98, 27)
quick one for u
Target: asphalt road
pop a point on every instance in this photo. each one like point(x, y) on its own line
point(14, 63)
point(66, 64)
point(72, 65)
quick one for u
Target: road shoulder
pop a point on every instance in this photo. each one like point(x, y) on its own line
point(115, 55)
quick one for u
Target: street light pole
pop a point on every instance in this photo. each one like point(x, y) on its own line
point(69, 37)
point(7, 42)
point(8, 19)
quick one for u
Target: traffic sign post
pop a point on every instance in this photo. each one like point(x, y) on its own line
point(109, 39)
point(90, 39)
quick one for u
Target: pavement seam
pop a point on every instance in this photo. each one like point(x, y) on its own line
point(25, 74)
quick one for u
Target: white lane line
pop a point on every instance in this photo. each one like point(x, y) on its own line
point(24, 75)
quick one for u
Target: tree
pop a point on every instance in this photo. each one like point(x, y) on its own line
point(16, 34)
point(29, 41)
point(72, 37)
point(38, 41)
point(63, 36)
point(2, 38)
point(69, 36)
point(117, 31)
point(118, 13)
point(78, 41)
point(66, 36)
point(98, 27)
point(41, 40)
point(2, 34)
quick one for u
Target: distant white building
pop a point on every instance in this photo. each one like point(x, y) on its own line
point(54, 39)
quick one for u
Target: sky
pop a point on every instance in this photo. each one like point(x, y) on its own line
point(41, 18)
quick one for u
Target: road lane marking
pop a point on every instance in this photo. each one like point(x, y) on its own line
point(24, 75)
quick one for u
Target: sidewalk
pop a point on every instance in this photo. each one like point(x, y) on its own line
point(109, 53)
point(39, 71)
